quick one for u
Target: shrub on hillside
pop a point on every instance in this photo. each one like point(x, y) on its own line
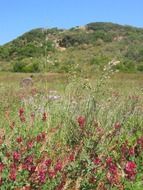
point(126, 66)
point(26, 66)
point(140, 67)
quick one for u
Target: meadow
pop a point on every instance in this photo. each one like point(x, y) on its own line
point(67, 132)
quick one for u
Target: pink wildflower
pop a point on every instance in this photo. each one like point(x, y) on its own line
point(97, 161)
point(58, 166)
point(130, 169)
point(44, 117)
point(1, 166)
point(19, 139)
point(117, 125)
point(16, 156)
point(81, 121)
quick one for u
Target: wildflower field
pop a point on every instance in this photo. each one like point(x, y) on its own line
point(71, 133)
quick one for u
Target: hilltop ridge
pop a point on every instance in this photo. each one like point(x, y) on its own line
point(61, 50)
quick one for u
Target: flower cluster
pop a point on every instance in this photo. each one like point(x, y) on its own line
point(37, 153)
point(130, 169)
point(21, 115)
point(81, 121)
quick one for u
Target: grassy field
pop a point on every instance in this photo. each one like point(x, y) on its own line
point(67, 132)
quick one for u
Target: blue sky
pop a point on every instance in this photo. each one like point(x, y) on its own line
point(19, 16)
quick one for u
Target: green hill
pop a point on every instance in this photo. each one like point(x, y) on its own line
point(86, 48)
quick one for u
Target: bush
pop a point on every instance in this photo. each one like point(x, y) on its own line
point(140, 67)
point(18, 67)
point(99, 61)
point(126, 66)
point(26, 66)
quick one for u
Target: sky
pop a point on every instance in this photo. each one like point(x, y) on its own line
point(20, 16)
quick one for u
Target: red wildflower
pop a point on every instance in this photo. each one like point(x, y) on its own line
point(30, 144)
point(43, 135)
point(130, 166)
point(113, 169)
point(111, 166)
point(140, 142)
point(112, 173)
point(12, 172)
point(21, 115)
point(71, 157)
point(42, 176)
point(8, 154)
point(48, 162)
point(40, 137)
point(13, 166)
point(130, 169)
point(29, 159)
point(61, 185)
point(125, 149)
point(21, 111)
point(16, 156)
point(58, 166)
point(44, 117)
point(109, 161)
point(51, 173)
point(1, 166)
point(117, 125)
point(131, 151)
point(113, 179)
point(12, 175)
point(81, 121)
point(28, 164)
point(97, 161)
point(31, 168)
point(19, 139)
point(22, 118)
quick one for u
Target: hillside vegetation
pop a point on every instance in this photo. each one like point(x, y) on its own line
point(86, 48)
point(79, 129)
